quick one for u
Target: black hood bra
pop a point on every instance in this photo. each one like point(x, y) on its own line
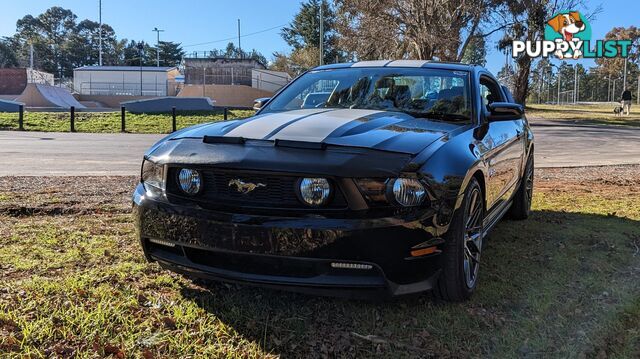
point(372, 129)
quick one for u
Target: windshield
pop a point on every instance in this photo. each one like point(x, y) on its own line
point(420, 92)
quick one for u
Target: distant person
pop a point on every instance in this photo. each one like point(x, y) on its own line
point(626, 101)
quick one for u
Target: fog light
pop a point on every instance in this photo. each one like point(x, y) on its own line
point(315, 191)
point(408, 192)
point(190, 181)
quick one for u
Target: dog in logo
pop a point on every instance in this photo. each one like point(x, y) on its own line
point(567, 25)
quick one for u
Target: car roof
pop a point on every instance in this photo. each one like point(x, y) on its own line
point(457, 66)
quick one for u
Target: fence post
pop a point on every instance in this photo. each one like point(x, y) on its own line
point(226, 113)
point(21, 117)
point(122, 119)
point(173, 119)
point(73, 119)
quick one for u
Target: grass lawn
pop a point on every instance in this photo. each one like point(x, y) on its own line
point(585, 114)
point(73, 282)
point(110, 121)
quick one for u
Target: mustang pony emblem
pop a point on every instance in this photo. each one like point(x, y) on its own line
point(245, 187)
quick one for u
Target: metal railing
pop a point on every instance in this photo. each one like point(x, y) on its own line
point(165, 88)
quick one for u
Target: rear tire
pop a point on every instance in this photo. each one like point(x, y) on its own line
point(462, 249)
point(521, 206)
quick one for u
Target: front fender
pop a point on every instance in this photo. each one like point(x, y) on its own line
point(448, 170)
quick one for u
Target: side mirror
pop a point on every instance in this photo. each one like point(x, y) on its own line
point(259, 102)
point(504, 111)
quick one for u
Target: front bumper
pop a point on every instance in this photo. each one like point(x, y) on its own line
point(312, 254)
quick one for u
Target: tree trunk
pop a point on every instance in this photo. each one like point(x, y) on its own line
point(521, 83)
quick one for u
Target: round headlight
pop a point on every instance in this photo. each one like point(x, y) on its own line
point(408, 192)
point(315, 191)
point(189, 181)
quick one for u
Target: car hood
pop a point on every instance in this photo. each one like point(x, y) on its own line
point(377, 130)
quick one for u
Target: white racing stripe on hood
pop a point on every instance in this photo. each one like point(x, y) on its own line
point(263, 126)
point(318, 127)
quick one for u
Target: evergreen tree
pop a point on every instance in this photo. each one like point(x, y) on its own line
point(304, 31)
point(171, 53)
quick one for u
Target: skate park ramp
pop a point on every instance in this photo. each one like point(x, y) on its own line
point(39, 95)
point(166, 104)
point(226, 95)
point(9, 106)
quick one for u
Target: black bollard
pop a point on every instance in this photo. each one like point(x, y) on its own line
point(173, 119)
point(73, 119)
point(21, 117)
point(122, 119)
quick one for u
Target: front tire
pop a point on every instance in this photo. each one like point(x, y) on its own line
point(462, 249)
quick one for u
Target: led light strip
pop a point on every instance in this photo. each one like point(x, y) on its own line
point(342, 265)
point(162, 242)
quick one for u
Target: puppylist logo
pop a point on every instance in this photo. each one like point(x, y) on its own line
point(567, 35)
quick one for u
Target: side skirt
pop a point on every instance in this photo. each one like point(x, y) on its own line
point(495, 218)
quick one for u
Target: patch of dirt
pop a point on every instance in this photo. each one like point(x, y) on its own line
point(619, 179)
point(55, 196)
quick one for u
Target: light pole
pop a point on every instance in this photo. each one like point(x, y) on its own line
point(550, 70)
point(609, 89)
point(624, 76)
point(541, 79)
point(558, 87)
point(140, 48)
point(158, 31)
point(613, 94)
point(239, 44)
point(638, 98)
point(575, 84)
point(100, 32)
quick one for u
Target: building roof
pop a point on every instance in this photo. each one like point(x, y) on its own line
point(126, 68)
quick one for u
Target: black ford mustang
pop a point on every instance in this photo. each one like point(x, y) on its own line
point(379, 177)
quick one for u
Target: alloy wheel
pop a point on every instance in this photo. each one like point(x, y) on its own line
point(473, 237)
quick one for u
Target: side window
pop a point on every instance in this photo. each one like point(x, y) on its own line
point(489, 91)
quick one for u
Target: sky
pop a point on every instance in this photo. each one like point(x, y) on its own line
point(199, 21)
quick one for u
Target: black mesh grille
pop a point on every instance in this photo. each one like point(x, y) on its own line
point(272, 191)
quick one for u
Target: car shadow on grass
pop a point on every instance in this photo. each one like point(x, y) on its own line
point(555, 285)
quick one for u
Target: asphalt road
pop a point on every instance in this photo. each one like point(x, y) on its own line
point(77, 154)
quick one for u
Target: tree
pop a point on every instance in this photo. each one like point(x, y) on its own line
point(48, 33)
point(171, 53)
point(615, 66)
point(506, 76)
point(7, 55)
point(131, 54)
point(61, 44)
point(525, 20)
point(282, 62)
point(476, 52)
point(83, 45)
point(540, 78)
point(416, 29)
point(297, 61)
point(232, 52)
point(304, 31)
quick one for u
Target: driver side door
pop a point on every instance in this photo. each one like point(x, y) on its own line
point(503, 147)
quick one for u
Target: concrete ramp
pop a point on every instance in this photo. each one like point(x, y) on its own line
point(166, 104)
point(9, 106)
point(226, 95)
point(39, 95)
